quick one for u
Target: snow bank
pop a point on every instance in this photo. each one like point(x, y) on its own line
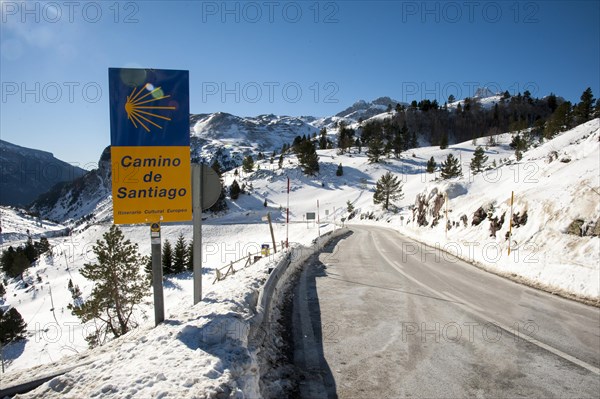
point(555, 184)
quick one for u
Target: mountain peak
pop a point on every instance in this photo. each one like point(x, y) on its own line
point(483, 92)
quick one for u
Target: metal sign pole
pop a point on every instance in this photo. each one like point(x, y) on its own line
point(157, 276)
point(197, 233)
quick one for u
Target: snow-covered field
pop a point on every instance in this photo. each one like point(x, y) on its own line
point(556, 183)
point(16, 223)
point(54, 332)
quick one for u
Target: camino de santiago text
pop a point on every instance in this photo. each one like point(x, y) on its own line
point(153, 190)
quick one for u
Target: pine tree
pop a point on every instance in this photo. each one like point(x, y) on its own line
point(414, 143)
point(349, 206)
point(339, 171)
point(30, 251)
point(519, 144)
point(265, 203)
point(280, 162)
point(344, 138)
point(308, 158)
point(43, 246)
point(552, 102)
point(431, 165)
point(19, 265)
point(179, 255)
point(234, 190)
point(2, 290)
point(7, 259)
point(323, 139)
point(451, 167)
point(388, 189)
point(560, 120)
point(118, 288)
point(190, 257)
point(248, 164)
point(444, 141)
point(479, 158)
point(375, 150)
point(216, 166)
point(148, 268)
point(358, 145)
point(585, 108)
point(12, 326)
point(167, 258)
point(398, 144)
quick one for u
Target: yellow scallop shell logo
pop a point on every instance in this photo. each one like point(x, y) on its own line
point(140, 107)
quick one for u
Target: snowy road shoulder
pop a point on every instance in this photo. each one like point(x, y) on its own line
point(201, 351)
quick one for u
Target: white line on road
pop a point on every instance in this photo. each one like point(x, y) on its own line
point(461, 303)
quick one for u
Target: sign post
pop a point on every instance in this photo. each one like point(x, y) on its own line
point(157, 276)
point(272, 234)
point(197, 234)
point(150, 154)
point(318, 220)
point(206, 189)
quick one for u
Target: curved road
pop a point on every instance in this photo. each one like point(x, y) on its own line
point(380, 316)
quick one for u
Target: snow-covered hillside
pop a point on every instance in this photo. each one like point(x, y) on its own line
point(483, 96)
point(17, 224)
point(228, 138)
point(360, 110)
point(85, 199)
point(53, 332)
point(555, 185)
point(217, 136)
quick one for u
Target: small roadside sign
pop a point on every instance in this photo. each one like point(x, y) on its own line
point(155, 233)
point(264, 250)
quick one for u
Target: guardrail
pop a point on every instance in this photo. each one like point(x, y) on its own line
point(278, 280)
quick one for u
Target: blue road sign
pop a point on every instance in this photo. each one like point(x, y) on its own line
point(149, 107)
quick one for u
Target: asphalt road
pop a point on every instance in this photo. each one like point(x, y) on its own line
point(379, 316)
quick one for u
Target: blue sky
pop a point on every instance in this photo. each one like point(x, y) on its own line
point(281, 57)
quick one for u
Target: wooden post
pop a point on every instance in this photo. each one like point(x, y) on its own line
point(272, 234)
point(287, 219)
point(446, 215)
point(512, 199)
